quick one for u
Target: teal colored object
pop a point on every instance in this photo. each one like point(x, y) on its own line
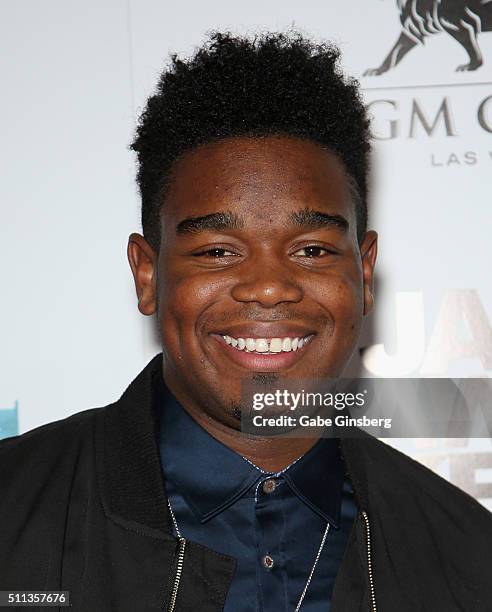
point(9, 421)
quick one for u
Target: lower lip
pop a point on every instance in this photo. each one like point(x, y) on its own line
point(258, 361)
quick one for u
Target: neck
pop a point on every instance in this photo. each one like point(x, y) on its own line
point(269, 454)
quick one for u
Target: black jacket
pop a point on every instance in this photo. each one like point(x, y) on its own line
point(83, 509)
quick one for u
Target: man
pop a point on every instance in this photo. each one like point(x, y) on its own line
point(255, 257)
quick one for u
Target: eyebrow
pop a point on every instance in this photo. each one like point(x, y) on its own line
point(315, 219)
point(227, 220)
point(214, 221)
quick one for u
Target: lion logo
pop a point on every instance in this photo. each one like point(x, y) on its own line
point(461, 19)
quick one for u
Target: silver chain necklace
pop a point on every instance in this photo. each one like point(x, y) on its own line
point(311, 573)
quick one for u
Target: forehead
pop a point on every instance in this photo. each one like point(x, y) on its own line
point(257, 177)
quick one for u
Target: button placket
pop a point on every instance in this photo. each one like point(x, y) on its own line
point(271, 557)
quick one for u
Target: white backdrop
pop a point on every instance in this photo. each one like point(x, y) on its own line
point(75, 76)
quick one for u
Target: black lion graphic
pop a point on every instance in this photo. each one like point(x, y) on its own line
point(462, 19)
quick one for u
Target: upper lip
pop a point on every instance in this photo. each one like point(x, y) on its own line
point(259, 329)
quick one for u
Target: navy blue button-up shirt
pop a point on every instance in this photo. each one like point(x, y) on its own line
point(272, 524)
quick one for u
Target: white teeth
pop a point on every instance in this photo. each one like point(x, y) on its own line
point(250, 344)
point(261, 345)
point(265, 345)
point(276, 345)
point(287, 345)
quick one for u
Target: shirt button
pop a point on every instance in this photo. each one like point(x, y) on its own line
point(268, 562)
point(269, 486)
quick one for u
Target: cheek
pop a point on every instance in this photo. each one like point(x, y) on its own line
point(342, 297)
point(182, 302)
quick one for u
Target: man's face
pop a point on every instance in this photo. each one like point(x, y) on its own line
point(258, 248)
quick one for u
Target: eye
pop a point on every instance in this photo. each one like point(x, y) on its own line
point(215, 253)
point(313, 251)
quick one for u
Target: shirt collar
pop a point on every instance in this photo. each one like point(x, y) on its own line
point(211, 476)
point(317, 479)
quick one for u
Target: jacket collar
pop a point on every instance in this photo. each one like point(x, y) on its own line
point(129, 467)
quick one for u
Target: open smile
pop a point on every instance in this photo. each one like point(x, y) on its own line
point(270, 346)
point(264, 353)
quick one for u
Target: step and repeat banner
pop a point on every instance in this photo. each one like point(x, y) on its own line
point(75, 77)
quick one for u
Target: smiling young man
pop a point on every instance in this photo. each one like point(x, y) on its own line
point(256, 261)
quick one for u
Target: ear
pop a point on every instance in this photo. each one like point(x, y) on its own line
point(143, 262)
point(369, 251)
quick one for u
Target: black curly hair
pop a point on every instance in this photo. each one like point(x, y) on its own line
point(272, 84)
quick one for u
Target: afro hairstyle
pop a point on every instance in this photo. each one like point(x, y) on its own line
point(271, 84)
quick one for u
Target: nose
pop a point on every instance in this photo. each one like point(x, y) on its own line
point(267, 284)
